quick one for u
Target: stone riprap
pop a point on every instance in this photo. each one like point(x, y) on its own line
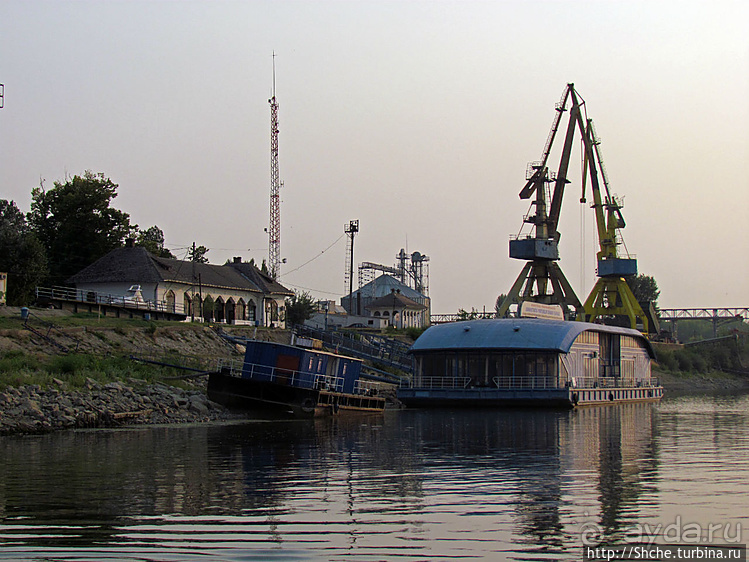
point(32, 409)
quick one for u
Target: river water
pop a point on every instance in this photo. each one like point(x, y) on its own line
point(406, 485)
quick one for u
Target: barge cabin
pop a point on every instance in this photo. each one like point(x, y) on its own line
point(295, 381)
point(530, 362)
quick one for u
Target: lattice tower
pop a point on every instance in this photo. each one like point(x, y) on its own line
point(274, 227)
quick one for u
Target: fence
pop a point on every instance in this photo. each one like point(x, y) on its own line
point(106, 299)
point(530, 382)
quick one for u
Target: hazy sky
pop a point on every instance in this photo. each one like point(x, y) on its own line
point(417, 118)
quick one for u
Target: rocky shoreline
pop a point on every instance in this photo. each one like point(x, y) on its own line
point(32, 409)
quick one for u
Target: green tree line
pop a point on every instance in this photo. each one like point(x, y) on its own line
point(67, 228)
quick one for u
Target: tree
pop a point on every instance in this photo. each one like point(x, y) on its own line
point(498, 304)
point(152, 239)
point(21, 255)
point(76, 224)
point(645, 289)
point(197, 254)
point(299, 308)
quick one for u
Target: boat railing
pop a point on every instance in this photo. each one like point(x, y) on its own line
point(534, 382)
point(443, 382)
point(288, 377)
point(367, 388)
point(327, 382)
point(525, 382)
point(612, 382)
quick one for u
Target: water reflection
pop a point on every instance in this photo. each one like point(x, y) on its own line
point(408, 485)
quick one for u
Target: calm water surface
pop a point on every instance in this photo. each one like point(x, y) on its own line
point(409, 485)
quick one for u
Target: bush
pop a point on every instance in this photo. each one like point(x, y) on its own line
point(12, 361)
point(414, 333)
point(683, 360)
point(667, 360)
point(699, 363)
point(65, 364)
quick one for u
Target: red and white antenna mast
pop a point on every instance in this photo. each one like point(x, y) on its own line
point(274, 228)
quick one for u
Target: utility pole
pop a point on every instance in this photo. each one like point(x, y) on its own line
point(274, 227)
point(351, 229)
point(192, 311)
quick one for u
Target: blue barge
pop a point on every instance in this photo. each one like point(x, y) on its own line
point(294, 381)
point(529, 362)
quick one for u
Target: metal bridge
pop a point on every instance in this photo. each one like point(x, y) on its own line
point(444, 318)
point(704, 313)
point(714, 314)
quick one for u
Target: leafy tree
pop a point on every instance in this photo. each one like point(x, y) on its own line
point(645, 289)
point(21, 255)
point(498, 304)
point(76, 224)
point(299, 307)
point(465, 315)
point(197, 254)
point(152, 239)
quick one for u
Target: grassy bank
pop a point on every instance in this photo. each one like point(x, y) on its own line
point(711, 365)
point(99, 348)
point(74, 370)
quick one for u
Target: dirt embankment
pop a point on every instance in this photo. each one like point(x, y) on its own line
point(30, 408)
point(48, 332)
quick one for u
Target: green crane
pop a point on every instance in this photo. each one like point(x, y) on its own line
point(611, 295)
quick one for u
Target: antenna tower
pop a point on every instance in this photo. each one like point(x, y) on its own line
point(274, 227)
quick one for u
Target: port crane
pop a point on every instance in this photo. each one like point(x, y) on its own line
point(541, 280)
point(611, 295)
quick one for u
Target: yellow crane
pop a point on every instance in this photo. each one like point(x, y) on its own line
point(611, 295)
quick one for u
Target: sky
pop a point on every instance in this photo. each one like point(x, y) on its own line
point(416, 118)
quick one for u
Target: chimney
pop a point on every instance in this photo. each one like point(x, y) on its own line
point(237, 259)
point(129, 242)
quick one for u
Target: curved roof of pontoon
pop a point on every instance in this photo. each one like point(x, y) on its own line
point(513, 334)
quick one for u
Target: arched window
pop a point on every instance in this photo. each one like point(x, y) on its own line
point(170, 301)
point(230, 311)
point(251, 311)
point(208, 308)
point(219, 312)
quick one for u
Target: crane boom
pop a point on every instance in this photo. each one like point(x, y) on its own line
point(611, 295)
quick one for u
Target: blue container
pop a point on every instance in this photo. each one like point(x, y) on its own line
point(617, 268)
point(534, 248)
